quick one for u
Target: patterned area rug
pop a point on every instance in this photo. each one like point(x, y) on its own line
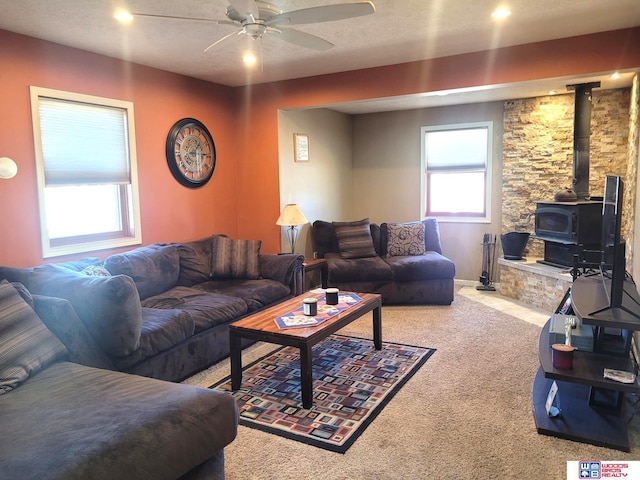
point(352, 382)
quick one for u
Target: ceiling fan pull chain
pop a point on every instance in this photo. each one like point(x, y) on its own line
point(261, 57)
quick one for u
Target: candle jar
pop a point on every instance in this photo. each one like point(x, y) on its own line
point(310, 306)
point(562, 356)
point(332, 296)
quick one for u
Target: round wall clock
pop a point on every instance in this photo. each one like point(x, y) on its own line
point(191, 153)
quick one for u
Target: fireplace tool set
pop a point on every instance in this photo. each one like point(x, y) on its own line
point(488, 262)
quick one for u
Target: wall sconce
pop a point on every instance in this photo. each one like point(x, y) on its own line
point(291, 217)
point(8, 168)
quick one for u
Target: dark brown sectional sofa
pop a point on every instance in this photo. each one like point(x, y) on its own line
point(162, 310)
point(409, 270)
point(69, 410)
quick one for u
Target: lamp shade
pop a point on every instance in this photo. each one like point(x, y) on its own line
point(8, 168)
point(291, 216)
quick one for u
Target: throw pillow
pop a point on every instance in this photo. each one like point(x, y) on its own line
point(195, 262)
point(232, 258)
point(27, 345)
point(154, 268)
point(405, 239)
point(96, 271)
point(354, 239)
point(108, 306)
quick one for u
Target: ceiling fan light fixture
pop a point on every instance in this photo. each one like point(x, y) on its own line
point(255, 30)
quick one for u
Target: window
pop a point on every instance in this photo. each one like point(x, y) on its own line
point(456, 162)
point(86, 171)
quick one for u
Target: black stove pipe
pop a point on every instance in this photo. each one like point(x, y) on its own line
point(581, 140)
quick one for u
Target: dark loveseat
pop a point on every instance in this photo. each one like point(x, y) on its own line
point(162, 310)
point(65, 421)
point(401, 261)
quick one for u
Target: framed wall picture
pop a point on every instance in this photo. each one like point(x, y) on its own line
point(300, 147)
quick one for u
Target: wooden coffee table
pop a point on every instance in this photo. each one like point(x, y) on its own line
point(261, 326)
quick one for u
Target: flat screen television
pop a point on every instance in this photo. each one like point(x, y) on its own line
point(613, 263)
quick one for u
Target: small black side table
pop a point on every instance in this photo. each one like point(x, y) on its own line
point(312, 264)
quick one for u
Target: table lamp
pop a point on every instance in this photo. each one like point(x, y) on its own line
point(291, 217)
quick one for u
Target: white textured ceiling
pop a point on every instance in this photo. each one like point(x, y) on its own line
point(400, 31)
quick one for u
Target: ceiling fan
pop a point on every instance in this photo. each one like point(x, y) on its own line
point(256, 18)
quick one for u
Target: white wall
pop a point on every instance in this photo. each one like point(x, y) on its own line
point(322, 187)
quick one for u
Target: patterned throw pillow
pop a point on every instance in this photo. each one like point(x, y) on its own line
point(96, 271)
point(232, 258)
point(354, 239)
point(27, 345)
point(405, 239)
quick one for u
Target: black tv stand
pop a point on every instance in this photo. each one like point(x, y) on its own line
point(592, 407)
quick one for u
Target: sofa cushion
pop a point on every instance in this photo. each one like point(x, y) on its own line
point(430, 266)
point(255, 293)
point(195, 261)
point(324, 238)
point(27, 345)
point(108, 306)
point(17, 274)
point(405, 239)
point(354, 239)
point(207, 309)
point(161, 330)
point(356, 270)
point(76, 422)
point(154, 268)
point(233, 258)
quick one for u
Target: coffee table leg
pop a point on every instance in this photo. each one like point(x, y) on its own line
point(306, 376)
point(377, 327)
point(236, 360)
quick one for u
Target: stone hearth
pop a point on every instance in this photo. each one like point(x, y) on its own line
point(535, 284)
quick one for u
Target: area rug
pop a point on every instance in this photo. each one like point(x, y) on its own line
point(352, 382)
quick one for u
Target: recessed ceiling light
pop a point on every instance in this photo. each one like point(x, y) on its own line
point(552, 92)
point(500, 13)
point(615, 75)
point(123, 16)
point(249, 59)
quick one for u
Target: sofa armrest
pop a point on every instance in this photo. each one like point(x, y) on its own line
point(432, 235)
point(284, 268)
point(60, 317)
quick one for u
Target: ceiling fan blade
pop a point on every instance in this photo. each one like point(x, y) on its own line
point(301, 39)
point(170, 17)
point(245, 8)
point(326, 13)
point(222, 40)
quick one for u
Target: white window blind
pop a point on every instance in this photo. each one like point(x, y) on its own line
point(83, 144)
point(457, 149)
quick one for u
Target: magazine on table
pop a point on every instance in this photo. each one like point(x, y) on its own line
point(297, 319)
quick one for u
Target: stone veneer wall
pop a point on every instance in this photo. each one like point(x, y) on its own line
point(534, 284)
point(538, 153)
point(633, 153)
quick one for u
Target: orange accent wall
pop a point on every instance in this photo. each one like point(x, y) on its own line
point(242, 199)
point(169, 211)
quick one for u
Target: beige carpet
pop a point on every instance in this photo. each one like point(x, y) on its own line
point(466, 414)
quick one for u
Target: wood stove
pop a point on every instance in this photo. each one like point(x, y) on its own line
point(573, 227)
point(568, 228)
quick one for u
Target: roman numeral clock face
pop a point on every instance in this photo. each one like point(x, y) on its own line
point(191, 153)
